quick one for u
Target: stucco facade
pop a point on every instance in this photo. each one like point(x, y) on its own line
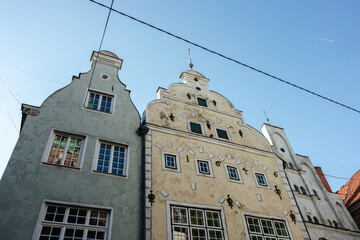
point(75, 170)
point(212, 175)
point(323, 212)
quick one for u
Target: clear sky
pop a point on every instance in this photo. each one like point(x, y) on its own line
point(314, 44)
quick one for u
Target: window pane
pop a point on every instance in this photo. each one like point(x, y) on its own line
point(233, 173)
point(195, 127)
point(254, 225)
point(267, 227)
point(57, 149)
point(280, 229)
point(215, 235)
point(118, 160)
point(179, 215)
point(73, 152)
point(213, 219)
point(104, 158)
point(180, 233)
point(203, 167)
point(73, 234)
point(170, 161)
point(77, 216)
point(93, 101)
point(261, 179)
point(196, 217)
point(49, 232)
point(222, 134)
point(198, 234)
point(55, 214)
point(254, 237)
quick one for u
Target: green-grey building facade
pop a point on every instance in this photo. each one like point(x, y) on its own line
point(75, 172)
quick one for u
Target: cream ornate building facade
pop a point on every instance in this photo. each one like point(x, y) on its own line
point(208, 174)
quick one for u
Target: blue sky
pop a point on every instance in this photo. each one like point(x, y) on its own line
point(314, 44)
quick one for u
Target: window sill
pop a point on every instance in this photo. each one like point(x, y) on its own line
point(110, 174)
point(60, 166)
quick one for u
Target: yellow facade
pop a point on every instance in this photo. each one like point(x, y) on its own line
point(189, 186)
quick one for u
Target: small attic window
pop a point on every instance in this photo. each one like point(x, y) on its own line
point(197, 88)
point(283, 150)
point(195, 79)
point(202, 102)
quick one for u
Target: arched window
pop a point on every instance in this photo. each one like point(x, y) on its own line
point(309, 218)
point(296, 188)
point(322, 239)
point(303, 191)
point(336, 224)
point(291, 165)
point(316, 220)
point(330, 223)
point(315, 193)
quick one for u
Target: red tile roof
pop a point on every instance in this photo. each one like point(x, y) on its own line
point(350, 192)
point(323, 178)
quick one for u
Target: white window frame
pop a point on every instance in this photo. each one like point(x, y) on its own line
point(197, 102)
point(169, 204)
point(87, 98)
point(266, 179)
point(45, 156)
point(126, 159)
point(63, 225)
point(211, 173)
point(177, 160)
point(227, 132)
point(202, 128)
point(267, 217)
point(226, 165)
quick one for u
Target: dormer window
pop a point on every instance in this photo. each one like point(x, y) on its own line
point(202, 102)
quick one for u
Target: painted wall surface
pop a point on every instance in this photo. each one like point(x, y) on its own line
point(316, 201)
point(27, 181)
point(250, 151)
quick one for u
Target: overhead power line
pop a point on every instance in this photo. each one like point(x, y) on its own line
point(101, 42)
point(33, 75)
point(228, 58)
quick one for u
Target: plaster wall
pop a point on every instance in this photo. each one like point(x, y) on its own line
point(248, 150)
point(324, 205)
point(27, 182)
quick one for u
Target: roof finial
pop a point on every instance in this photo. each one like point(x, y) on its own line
point(267, 119)
point(190, 63)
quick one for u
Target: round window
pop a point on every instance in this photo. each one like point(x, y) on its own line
point(104, 76)
point(197, 88)
point(283, 150)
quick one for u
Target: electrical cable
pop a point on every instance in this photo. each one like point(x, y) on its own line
point(11, 92)
point(228, 58)
point(10, 117)
point(101, 42)
point(33, 75)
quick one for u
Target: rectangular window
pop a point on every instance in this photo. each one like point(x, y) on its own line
point(170, 162)
point(261, 179)
point(60, 221)
point(233, 173)
point(266, 228)
point(112, 158)
point(66, 150)
point(202, 102)
point(223, 134)
point(196, 223)
point(196, 128)
point(204, 168)
point(100, 102)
